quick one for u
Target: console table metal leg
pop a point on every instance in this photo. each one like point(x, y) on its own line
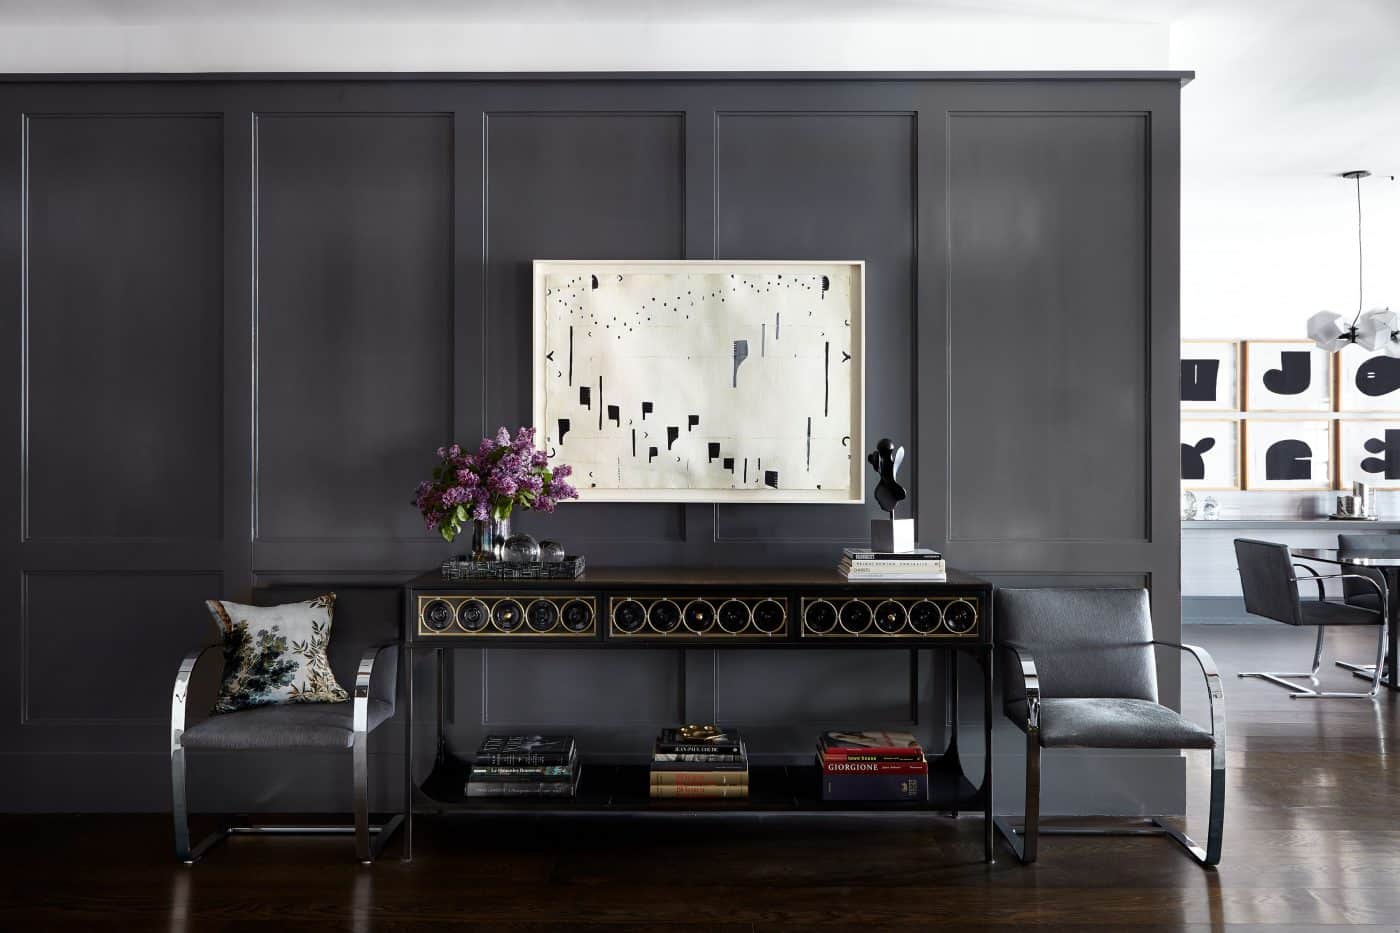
point(409, 794)
point(985, 656)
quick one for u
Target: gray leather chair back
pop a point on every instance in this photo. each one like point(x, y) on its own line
point(1389, 543)
point(1086, 641)
point(1269, 583)
point(364, 616)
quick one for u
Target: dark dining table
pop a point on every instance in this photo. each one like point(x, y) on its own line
point(1388, 563)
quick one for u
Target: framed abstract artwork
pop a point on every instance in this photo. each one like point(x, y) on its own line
point(703, 381)
point(1288, 456)
point(1367, 381)
point(1286, 375)
point(1210, 454)
point(1210, 375)
point(1368, 452)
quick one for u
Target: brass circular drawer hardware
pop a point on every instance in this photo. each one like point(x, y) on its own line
point(507, 615)
point(541, 615)
point(699, 616)
point(664, 616)
point(437, 615)
point(960, 616)
point(855, 616)
point(820, 617)
point(578, 615)
point(889, 616)
point(629, 616)
point(769, 616)
point(733, 616)
point(924, 616)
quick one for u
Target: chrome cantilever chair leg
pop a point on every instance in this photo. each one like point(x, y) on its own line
point(1280, 677)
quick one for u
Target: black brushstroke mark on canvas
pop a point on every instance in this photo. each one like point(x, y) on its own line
point(614, 415)
point(1378, 376)
point(1198, 379)
point(595, 280)
point(714, 451)
point(746, 469)
point(550, 356)
point(845, 357)
point(846, 441)
point(826, 377)
point(826, 285)
point(634, 442)
point(1288, 459)
point(729, 464)
point(809, 443)
point(651, 454)
point(563, 428)
point(770, 478)
point(1387, 464)
point(600, 403)
point(690, 422)
point(571, 354)
point(585, 397)
point(1193, 465)
point(671, 434)
point(778, 325)
point(1294, 373)
point(741, 353)
point(647, 409)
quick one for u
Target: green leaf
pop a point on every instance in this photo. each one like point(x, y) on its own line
point(447, 534)
point(461, 513)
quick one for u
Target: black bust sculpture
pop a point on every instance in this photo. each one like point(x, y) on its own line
point(886, 459)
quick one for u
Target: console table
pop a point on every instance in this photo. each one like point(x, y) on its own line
point(700, 608)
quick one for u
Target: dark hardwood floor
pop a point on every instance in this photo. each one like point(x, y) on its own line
point(1312, 841)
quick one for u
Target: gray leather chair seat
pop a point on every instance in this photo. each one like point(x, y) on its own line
point(293, 725)
point(1355, 613)
point(1107, 722)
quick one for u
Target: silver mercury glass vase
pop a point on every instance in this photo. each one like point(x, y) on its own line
point(488, 537)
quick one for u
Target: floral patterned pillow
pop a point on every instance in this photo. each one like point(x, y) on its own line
point(275, 654)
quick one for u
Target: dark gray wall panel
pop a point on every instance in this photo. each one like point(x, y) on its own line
point(102, 648)
point(124, 258)
point(828, 186)
point(1049, 327)
point(354, 329)
point(574, 186)
point(552, 687)
point(817, 688)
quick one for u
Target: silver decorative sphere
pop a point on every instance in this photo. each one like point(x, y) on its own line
point(551, 552)
point(520, 548)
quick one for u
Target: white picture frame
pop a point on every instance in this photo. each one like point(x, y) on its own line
point(1287, 375)
point(1210, 454)
point(1353, 454)
point(677, 361)
point(1269, 466)
point(1210, 375)
point(1367, 382)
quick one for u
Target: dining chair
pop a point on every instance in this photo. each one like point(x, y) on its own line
point(364, 651)
point(1270, 582)
point(1080, 672)
point(1358, 594)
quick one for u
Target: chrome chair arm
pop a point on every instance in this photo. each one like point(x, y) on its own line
point(1316, 577)
point(180, 698)
point(364, 677)
point(1030, 681)
point(1214, 687)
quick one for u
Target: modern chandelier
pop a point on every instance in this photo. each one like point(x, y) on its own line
point(1376, 329)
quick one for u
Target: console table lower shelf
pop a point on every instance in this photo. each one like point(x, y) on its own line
point(608, 788)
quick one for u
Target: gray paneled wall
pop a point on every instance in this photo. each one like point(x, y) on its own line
point(245, 312)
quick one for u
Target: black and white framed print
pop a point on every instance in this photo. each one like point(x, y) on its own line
point(1286, 375)
point(1210, 454)
point(703, 381)
point(1367, 381)
point(1368, 452)
point(1210, 375)
point(1288, 456)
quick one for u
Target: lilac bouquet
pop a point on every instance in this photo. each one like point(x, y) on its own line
point(502, 475)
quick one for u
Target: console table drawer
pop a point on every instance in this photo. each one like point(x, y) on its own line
point(713, 615)
point(506, 615)
point(891, 616)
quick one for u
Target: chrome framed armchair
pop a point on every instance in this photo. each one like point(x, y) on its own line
point(1269, 579)
point(364, 651)
point(1079, 671)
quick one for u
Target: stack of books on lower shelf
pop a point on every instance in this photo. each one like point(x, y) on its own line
point(699, 762)
point(872, 766)
point(920, 565)
point(525, 766)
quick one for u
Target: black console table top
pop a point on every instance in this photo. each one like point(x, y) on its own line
point(612, 578)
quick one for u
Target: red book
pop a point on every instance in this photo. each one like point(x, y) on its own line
point(873, 754)
point(838, 766)
point(871, 746)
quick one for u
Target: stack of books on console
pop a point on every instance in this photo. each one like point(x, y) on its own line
point(699, 761)
point(872, 766)
point(525, 766)
point(920, 565)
